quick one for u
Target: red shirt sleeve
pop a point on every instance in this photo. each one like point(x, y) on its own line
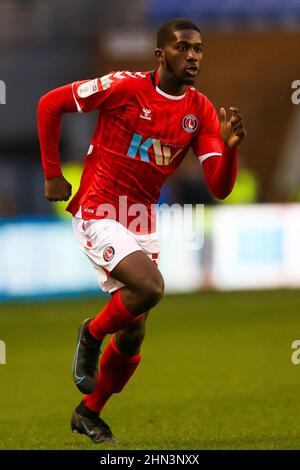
point(50, 108)
point(220, 172)
point(107, 93)
point(219, 162)
point(208, 141)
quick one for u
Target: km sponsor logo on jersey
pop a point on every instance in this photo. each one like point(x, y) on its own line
point(163, 154)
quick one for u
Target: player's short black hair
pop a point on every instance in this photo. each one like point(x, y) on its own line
point(166, 30)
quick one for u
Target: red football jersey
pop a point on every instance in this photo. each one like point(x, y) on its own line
point(141, 137)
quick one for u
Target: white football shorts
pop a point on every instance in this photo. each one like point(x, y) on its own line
point(106, 242)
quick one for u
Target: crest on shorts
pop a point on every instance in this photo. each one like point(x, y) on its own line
point(189, 123)
point(108, 253)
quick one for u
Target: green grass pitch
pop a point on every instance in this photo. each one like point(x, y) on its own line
point(216, 373)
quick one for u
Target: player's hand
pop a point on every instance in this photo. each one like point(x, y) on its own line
point(232, 131)
point(57, 189)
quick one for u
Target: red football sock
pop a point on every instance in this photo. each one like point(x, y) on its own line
point(116, 369)
point(112, 318)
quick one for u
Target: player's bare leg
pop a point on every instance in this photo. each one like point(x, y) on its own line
point(144, 289)
point(129, 340)
point(144, 282)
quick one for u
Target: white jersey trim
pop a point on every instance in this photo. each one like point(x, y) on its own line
point(91, 148)
point(171, 97)
point(207, 155)
point(76, 102)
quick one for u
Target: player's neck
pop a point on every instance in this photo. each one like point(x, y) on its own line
point(167, 85)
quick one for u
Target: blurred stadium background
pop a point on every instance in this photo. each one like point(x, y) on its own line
point(251, 61)
point(251, 239)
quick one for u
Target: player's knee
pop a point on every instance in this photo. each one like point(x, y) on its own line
point(136, 338)
point(130, 340)
point(152, 291)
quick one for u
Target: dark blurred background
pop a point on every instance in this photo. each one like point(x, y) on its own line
point(251, 59)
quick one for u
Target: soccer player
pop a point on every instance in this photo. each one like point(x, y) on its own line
point(147, 122)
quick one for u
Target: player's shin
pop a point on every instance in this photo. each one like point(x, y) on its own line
point(116, 368)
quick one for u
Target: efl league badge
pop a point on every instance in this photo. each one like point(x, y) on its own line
point(190, 123)
point(108, 253)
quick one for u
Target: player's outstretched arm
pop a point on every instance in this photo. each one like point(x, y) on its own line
point(220, 173)
point(49, 113)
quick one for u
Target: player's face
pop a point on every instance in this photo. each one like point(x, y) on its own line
point(183, 56)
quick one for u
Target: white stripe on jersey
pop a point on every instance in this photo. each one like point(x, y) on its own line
point(207, 155)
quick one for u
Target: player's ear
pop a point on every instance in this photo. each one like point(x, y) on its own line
point(160, 55)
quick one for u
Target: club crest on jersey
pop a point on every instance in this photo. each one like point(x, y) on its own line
point(108, 253)
point(190, 123)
